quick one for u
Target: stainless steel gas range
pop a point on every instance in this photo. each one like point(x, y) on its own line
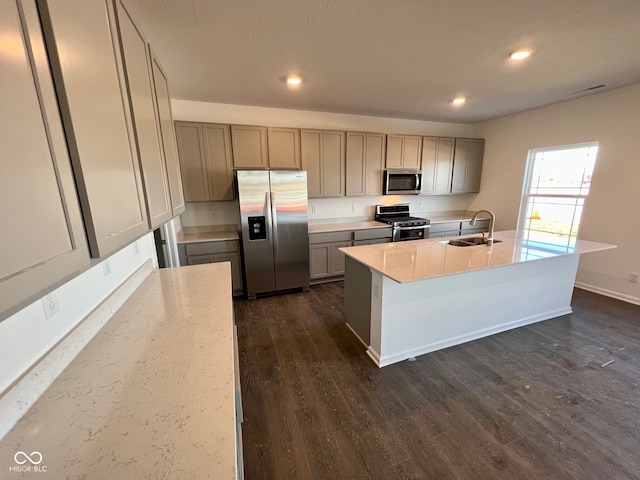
point(405, 227)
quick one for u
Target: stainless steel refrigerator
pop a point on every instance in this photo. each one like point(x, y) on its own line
point(275, 232)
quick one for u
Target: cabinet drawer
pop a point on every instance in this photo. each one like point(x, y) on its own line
point(329, 237)
point(444, 227)
point(204, 248)
point(372, 233)
point(199, 259)
point(479, 225)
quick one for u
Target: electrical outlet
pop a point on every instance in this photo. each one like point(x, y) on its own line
point(633, 277)
point(106, 267)
point(136, 248)
point(421, 205)
point(354, 208)
point(213, 214)
point(50, 305)
point(314, 209)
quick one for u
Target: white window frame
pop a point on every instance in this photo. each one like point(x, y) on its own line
point(526, 188)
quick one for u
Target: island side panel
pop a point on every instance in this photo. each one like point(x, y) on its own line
point(435, 313)
point(357, 298)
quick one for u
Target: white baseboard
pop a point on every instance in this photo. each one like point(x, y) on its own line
point(608, 293)
point(385, 360)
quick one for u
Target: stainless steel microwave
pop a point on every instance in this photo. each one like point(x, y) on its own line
point(402, 181)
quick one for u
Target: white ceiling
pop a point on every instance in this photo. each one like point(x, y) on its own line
point(394, 58)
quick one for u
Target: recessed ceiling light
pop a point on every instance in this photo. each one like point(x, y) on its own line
point(294, 80)
point(520, 54)
point(459, 100)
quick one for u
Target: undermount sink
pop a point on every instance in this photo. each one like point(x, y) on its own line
point(468, 242)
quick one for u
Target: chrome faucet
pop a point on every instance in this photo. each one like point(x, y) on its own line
point(492, 222)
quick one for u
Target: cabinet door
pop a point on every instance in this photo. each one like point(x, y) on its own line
point(43, 241)
point(200, 259)
point(333, 163)
point(89, 81)
point(284, 148)
point(311, 153)
point(395, 145)
point(374, 163)
point(337, 258)
point(236, 271)
point(474, 165)
point(319, 260)
point(411, 151)
point(467, 165)
point(437, 163)
point(249, 146)
point(355, 164)
point(169, 148)
point(219, 168)
point(192, 161)
point(142, 102)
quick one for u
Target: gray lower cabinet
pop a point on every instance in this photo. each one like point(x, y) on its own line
point(215, 252)
point(450, 229)
point(372, 236)
point(43, 240)
point(325, 258)
point(91, 91)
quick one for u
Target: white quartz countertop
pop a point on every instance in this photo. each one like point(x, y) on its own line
point(151, 396)
point(345, 226)
point(420, 259)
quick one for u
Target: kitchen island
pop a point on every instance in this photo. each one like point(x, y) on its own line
point(409, 298)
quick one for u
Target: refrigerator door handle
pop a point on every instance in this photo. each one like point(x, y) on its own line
point(267, 213)
point(274, 228)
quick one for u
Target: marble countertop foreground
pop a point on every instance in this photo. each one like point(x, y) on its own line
point(152, 396)
point(421, 259)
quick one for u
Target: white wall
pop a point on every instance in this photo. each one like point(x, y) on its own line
point(612, 211)
point(220, 213)
point(27, 335)
point(280, 117)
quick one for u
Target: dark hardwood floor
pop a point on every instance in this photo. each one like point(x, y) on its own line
point(532, 403)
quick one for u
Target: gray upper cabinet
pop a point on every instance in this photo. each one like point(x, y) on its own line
point(403, 151)
point(165, 120)
point(284, 148)
point(205, 158)
point(89, 80)
point(437, 165)
point(365, 157)
point(43, 241)
point(323, 158)
point(250, 147)
point(143, 108)
point(467, 165)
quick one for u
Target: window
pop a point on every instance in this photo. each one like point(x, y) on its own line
point(556, 185)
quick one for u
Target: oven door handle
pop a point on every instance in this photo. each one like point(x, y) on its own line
point(415, 227)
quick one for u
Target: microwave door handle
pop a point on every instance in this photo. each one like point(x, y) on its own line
point(418, 187)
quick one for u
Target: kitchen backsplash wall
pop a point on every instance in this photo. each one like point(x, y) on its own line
point(329, 209)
